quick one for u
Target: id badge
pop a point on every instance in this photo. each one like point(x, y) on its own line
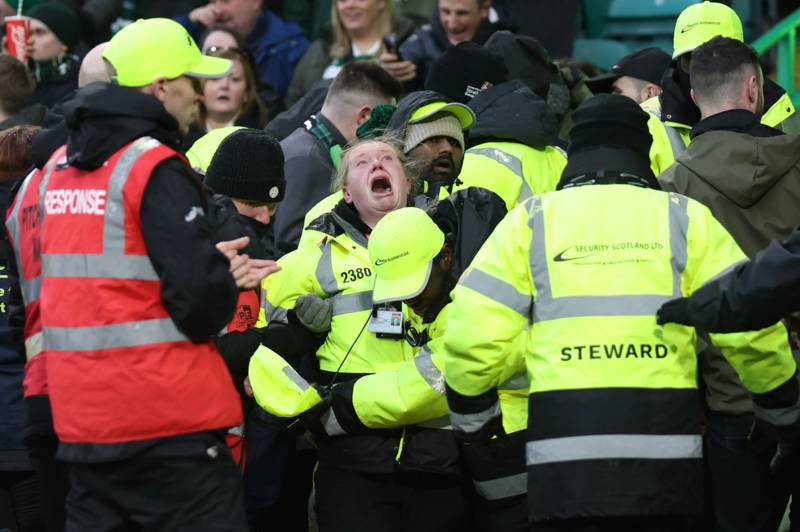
point(386, 322)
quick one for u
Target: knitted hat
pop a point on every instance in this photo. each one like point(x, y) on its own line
point(610, 135)
point(248, 165)
point(62, 20)
point(463, 71)
point(441, 125)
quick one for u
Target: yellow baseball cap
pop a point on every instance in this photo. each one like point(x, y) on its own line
point(699, 23)
point(204, 148)
point(465, 115)
point(402, 248)
point(154, 48)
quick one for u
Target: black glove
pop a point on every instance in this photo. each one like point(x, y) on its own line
point(674, 311)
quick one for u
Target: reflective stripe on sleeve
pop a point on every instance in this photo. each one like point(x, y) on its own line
point(296, 378)
point(471, 423)
point(354, 302)
point(502, 488)
point(33, 345)
point(331, 424)
point(428, 370)
point(324, 273)
point(614, 446)
point(497, 290)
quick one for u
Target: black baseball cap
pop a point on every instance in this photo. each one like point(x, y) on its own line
point(647, 64)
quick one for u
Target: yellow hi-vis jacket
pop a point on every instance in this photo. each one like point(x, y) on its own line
point(513, 171)
point(615, 413)
point(336, 267)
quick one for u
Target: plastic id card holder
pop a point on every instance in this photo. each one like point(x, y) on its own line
point(387, 321)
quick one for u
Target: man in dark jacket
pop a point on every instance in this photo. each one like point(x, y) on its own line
point(454, 21)
point(312, 152)
point(196, 288)
point(748, 174)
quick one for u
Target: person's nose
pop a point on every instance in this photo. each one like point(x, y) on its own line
point(263, 216)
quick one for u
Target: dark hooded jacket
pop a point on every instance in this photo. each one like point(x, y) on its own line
point(512, 112)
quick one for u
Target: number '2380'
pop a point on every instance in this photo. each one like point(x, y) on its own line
point(348, 276)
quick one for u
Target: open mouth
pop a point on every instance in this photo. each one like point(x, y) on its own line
point(381, 185)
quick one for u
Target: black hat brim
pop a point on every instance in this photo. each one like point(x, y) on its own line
point(602, 84)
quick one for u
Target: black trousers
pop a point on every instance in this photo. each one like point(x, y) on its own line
point(53, 480)
point(20, 510)
point(348, 501)
point(616, 524)
point(746, 496)
point(186, 487)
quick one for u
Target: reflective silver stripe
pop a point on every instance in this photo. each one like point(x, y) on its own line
point(114, 222)
point(509, 161)
point(331, 424)
point(30, 288)
point(357, 236)
point(324, 273)
point(470, 423)
point(33, 345)
point(355, 302)
point(675, 141)
point(546, 307)
point(440, 423)
point(296, 378)
point(497, 290)
point(275, 314)
point(780, 417)
point(428, 370)
point(678, 240)
point(517, 382)
point(118, 335)
point(109, 266)
point(502, 488)
point(615, 446)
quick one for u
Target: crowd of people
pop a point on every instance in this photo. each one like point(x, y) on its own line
point(390, 266)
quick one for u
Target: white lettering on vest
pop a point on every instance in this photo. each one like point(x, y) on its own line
point(75, 201)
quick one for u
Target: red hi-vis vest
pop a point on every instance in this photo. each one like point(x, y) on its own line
point(23, 222)
point(118, 369)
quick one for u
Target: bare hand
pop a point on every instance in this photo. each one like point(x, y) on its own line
point(208, 15)
point(248, 273)
point(248, 390)
point(259, 270)
point(400, 70)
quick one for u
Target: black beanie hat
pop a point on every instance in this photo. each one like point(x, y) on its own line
point(248, 165)
point(61, 19)
point(464, 70)
point(610, 135)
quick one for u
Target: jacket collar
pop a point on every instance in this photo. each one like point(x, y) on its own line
point(736, 120)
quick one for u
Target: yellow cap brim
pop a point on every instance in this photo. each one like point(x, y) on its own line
point(210, 68)
point(402, 288)
point(465, 115)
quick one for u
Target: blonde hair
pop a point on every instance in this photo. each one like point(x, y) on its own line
point(411, 167)
point(342, 45)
